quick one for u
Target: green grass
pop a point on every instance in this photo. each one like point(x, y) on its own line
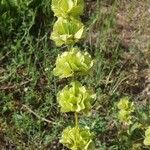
point(29, 114)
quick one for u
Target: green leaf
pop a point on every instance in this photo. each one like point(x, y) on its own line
point(147, 136)
point(147, 132)
point(73, 63)
point(67, 31)
point(135, 126)
point(68, 8)
point(147, 140)
point(77, 139)
point(75, 98)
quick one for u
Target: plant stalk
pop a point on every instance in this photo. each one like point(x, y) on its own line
point(76, 120)
point(76, 128)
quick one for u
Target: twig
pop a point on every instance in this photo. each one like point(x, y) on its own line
point(3, 57)
point(38, 116)
point(9, 87)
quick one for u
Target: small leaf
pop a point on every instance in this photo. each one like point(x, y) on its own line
point(147, 136)
point(147, 140)
point(147, 132)
point(135, 126)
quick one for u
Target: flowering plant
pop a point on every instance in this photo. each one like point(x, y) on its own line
point(68, 29)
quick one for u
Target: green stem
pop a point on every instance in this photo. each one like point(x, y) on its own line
point(76, 128)
point(70, 47)
point(76, 120)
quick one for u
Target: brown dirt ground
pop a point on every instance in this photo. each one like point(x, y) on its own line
point(133, 30)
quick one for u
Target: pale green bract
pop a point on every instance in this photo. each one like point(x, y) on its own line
point(67, 31)
point(67, 8)
point(75, 98)
point(73, 63)
point(77, 139)
point(147, 136)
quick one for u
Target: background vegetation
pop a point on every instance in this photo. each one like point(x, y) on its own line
point(118, 39)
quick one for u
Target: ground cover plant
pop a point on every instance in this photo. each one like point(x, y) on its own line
point(116, 36)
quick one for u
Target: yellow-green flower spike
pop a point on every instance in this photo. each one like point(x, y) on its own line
point(67, 32)
point(125, 116)
point(68, 8)
point(147, 136)
point(125, 104)
point(77, 139)
point(73, 63)
point(125, 110)
point(75, 98)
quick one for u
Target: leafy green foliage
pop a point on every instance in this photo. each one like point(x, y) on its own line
point(68, 8)
point(73, 63)
point(77, 139)
point(66, 31)
point(75, 98)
